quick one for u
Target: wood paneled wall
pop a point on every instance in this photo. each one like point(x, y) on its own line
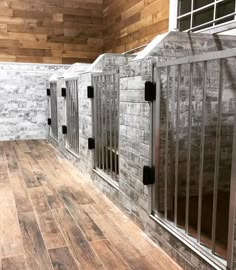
point(132, 23)
point(68, 31)
point(51, 31)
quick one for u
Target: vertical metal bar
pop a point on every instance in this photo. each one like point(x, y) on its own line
point(98, 120)
point(115, 122)
point(106, 120)
point(102, 119)
point(110, 129)
point(202, 153)
point(118, 124)
point(167, 142)
point(232, 209)
point(191, 18)
point(217, 155)
point(189, 148)
point(177, 144)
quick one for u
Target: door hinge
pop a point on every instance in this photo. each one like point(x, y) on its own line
point(63, 92)
point(91, 143)
point(150, 91)
point(90, 92)
point(148, 175)
point(64, 129)
point(49, 121)
point(48, 92)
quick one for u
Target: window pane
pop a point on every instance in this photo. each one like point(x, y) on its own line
point(202, 3)
point(225, 8)
point(184, 6)
point(184, 23)
point(203, 16)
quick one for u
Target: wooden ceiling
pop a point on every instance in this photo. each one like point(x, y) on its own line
point(68, 31)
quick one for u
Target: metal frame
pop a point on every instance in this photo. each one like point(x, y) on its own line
point(213, 21)
point(53, 111)
point(106, 131)
point(72, 116)
point(181, 234)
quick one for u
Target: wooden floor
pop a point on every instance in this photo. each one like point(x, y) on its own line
point(49, 221)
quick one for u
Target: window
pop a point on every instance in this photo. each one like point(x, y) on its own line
point(106, 124)
point(72, 117)
point(53, 111)
point(195, 15)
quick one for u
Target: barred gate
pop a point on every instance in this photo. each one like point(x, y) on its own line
point(194, 138)
point(106, 123)
point(53, 111)
point(72, 116)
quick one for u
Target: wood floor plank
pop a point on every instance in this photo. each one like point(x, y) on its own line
point(14, 263)
point(109, 256)
point(2, 154)
point(62, 259)
point(80, 247)
point(4, 176)
point(49, 191)
point(35, 251)
point(87, 225)
point(10, 236)
point(28, 175)
point(50, 231)
point(118, 239)
point(22, 201)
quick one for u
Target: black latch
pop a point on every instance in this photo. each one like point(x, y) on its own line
point(49, 121)
point(91, 143)
point(150, 91)
point(48, 92)
point(148, 175)
point(90, 92)
point(63, 92)
point(64, 129)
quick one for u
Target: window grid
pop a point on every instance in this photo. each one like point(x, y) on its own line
point(212, 22)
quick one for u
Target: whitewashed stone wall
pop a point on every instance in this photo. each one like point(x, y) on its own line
point(23, 102)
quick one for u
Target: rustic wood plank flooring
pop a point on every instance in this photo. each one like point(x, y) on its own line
point(51, 218)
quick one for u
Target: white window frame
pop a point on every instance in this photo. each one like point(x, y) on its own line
point(173, 19)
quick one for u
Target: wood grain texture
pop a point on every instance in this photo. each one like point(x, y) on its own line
point(36, 254)
point(14, 263)
point(64, 223)
point(130, 24)
point(62, 259)
point(50, 31)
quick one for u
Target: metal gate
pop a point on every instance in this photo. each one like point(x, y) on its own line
point(72, 116)
point(106, 123)
point(194, 138)
point(53, 111)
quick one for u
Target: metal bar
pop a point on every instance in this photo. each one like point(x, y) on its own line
point(106, 119)
point(118, 124)
point(102, 122)
point(191, 20)
point(189, 148)
point(98, 121)
point(217, 155)
point(110, 131)
point(202, 154)
point(167, 143)
point(199, 58)
point(231, 228)
point(177, 143)
point(115, 122)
